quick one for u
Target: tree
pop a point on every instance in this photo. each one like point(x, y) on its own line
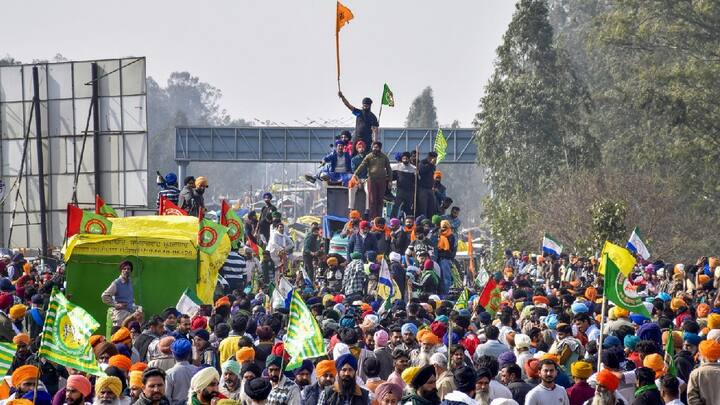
point(422, 112)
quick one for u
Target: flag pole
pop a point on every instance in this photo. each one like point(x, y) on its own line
point(337, 55)
point(602, 315)
point(380, 112)
point(449, 335)
point(417, 164)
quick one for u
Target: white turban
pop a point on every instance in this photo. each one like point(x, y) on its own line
point(340, 349)
point(202, 380)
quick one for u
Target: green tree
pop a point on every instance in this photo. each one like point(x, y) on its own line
point(422, 112)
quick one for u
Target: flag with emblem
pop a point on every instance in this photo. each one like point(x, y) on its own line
point(303, 340)
point(387, 98)
point(490, 297)
point(232, 221)
point(7, 354)
point(462, 301)
point(440, 145)
point(103, 209)
point(619, 291)
point(210, 235)
point(79, 221)
point(66, 335)
point(670, 353)
point(168, 207)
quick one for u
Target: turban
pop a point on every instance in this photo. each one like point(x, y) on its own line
point(355, 214)
point(692, 338)
point(439, 359)
point(40, 398)
point(611, 341)
point(332, 261)
point(630, 341)
point(422, 376)
point(96, 339)
point(245, 354)
point(306, 365)
point(105, 348)
point(198, 322)
point(80, 383)
point(677, 303)
point(709, 349)
point(608, 379)
point(120, 361)
point(550, 356)
point(430, 339)
point(6, 300)
point(579, 308)
point(581, 369)
point(181, 348)
point(17, 311)
point(713, 321)
point(532, 368)
point(201, 380)
point(551, 321)
point(650, 331)
point(408, 374)
point(676, 337)
point(438, 328)
point(621, 312)
point(703, 278)
point(539, 299)
point(381, 338)
point(348, 359)
point(24, 373)
point(251, 367)
point(223, 301)
point(111, 383)
point(121, 336)
point(273, 360)
point(390, 388)
point(656, 363)
point(232, 366)
point(21, 338)
point(136, 379)
point(324, 367)
point(442, 319)
point(258, 389)
point(264, 332)
point(139, 366)
point(19, 401)
point(409, 328)
point(522, 340)
point(395, 257)
point(638, 319)
point(506, 358)
point(702, 310)
point(465, 378)
point(591, 293)
point(664, 296)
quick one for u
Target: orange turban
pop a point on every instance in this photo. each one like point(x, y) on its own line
point(430, 339)
point(19, 401)
point(222, 301)
point(121, 336)
point(703, 278)
point(553, 357)
point(24, 373)
point(591, 294)
point(540, 299)
point(532, 368)
point(120, 361)
point(656, 363)
point(245, 354)
point(136, 379)
point(96, 339)
point(139, 366)
point(324, 367)
point(21, 338)
point(703, 310)
point(608, 379)
point(421, 334)
point(713, 321)
point(709, 349)
point(677, 338)
point(355, 214)
point(677, 303)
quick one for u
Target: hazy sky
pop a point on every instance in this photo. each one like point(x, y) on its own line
point(275, 60)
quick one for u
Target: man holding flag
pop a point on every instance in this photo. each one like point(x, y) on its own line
point(366, 123)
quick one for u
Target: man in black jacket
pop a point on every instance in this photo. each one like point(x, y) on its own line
point(153, 392)
point(646, 392)
point(511, 376)
point(404, 175)
point(311, 250)
point(425, 195)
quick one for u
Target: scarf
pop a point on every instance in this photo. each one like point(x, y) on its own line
point(443, 241)
point(644, 389)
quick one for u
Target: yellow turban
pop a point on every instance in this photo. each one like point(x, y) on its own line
point(710, 350)
point(581, 369)
point(553, 357)
point(677, 303)
point(21, 338)
point(121, 336)
point(111, 383)
point(136, 379)
point(245, 354)
point(327, 298)
point(621, 312)
point(713, 321)
point(19, 401)
point(24, 373)
point(409, 374)
point(17, 311)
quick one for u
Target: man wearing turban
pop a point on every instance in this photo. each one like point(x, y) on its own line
point(581, 391)
point(178, 378)
point(23, 380)
point(325, 373)
point(428, 342)
point(702, 385)
point(77, 389)
point(231, 379)
point(422, 384)
point(284, 391)
point(204, 387)
point(345, 390)
point(108, 391)
point(607, 384)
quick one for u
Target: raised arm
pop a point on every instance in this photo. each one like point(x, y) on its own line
point(347, 103)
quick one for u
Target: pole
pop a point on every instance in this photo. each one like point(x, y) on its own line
point(96, 127)
point(337, 55)
point(40, 162)
point(417, 173)
point(380, 112)
point(602, 319)
point(449, 336)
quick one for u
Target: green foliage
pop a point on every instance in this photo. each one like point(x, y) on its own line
point(608, 221)
point(507, 222)
point(422, 112)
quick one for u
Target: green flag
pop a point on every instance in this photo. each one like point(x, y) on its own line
point(670, 354)
point(462, 301)
point(303, 340)
point(615, 291)
point(387, 98)
point(232, 221)
point(210, 235)
point(440, 145)
point(7, 353)
point(66, 335)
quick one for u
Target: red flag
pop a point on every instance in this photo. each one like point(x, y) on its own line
point(79, 221)
point(103, 209)
point(490, 297)
point(167, 207)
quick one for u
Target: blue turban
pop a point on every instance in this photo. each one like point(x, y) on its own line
point(484, 318)
point(630, 341)
point(611, 341)
point(181, 348)
point(347, 322)
point(42, 397)
point(551, 321)
point(455, 339)
point(231, 365)
point(346, 358)
point(442, 318)
point(464, 312)
point(650, 331)
point(375, 305)
point(267, 195)
point(638, 319)
point(664, 296)
point(408, 327)
point(305, 366)
point(339, 142)
point(692, 338)
point(579, 308)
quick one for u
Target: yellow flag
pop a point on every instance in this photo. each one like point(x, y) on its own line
point(343, 16)
point(622, 258)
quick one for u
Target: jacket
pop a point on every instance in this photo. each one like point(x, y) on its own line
point(426, 170)
point(143, 400)
point(702, 387)
point(361, 245)
point(355, 162)
point(652, 397)
point(332, 396)
point(378, 166)
point(310, 394)
point(332, 159)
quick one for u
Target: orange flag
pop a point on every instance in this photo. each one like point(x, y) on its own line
point(343, 16)
point(471, 256)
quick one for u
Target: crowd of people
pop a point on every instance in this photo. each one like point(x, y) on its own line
point(553, 338)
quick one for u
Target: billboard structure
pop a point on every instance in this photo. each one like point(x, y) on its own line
point(77, 128)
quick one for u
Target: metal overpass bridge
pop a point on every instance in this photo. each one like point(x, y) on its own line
point(304, 144)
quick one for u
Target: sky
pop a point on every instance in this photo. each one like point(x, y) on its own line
point(274, 60)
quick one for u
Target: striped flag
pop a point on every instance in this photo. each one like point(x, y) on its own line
point(7, 353)
point(387, 287)
point(551, 246)
point(440, 145)
point(637, 245)
point(303, 340)
point(462, 301)
point(189, 303)
point(66, 335)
